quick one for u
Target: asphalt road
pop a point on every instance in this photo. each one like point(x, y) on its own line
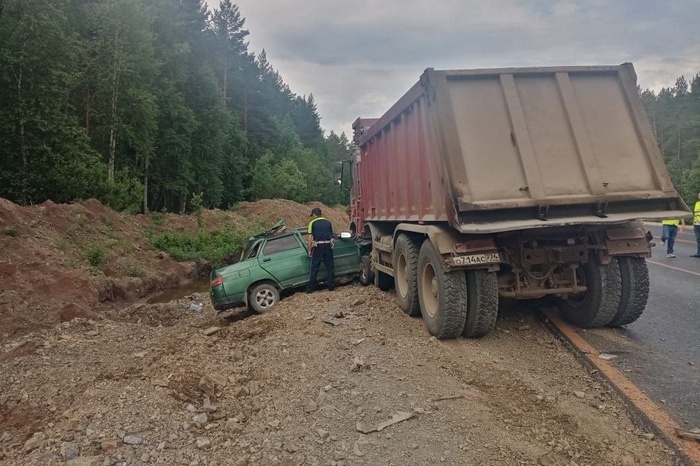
point(660, 352)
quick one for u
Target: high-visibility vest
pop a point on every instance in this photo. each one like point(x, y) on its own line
point(312, 222)
point(696, 216)
point(675, 223)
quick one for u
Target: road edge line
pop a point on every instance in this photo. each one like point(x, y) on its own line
point(643, 406)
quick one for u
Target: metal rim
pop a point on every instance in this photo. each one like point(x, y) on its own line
point(578, 298)
point(401, 277)
point(430, 290)
point(265, 298)
point(363, 272)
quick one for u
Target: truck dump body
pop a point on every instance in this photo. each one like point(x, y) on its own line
point(517, 148)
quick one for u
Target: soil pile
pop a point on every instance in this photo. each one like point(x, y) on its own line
point(85, 258)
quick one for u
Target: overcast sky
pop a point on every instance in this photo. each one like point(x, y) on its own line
point(358, 57)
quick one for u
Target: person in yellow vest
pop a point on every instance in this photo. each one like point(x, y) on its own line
point(320, 244)
point(669, 233)
point(696, 225)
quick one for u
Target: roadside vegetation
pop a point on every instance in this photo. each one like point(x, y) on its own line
point(159, 105)
point(216, 247)
point(146, 104)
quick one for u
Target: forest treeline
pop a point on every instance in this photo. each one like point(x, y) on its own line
point(674, 113)
point(149, 105)
point(160, 105)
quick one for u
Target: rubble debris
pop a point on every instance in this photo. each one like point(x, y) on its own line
point(400, 416)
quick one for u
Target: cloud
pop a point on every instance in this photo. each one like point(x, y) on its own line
point(358, 58)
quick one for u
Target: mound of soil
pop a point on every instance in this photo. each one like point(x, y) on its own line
point(50, 255)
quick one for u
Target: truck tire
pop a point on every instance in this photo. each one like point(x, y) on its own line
point(366, 275)
point(383, 281)
point(442, 295)
point(597, 306)
point(482, 303)
point(635, 290)
point(263, 297)
point(405, 263)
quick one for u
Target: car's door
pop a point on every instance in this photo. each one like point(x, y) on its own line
point(346, 257)
point(286, 260)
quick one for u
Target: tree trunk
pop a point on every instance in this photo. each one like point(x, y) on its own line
point(245, 112)
point(22, 145)
point(145, 193)
point(115, 94)
point(145, 186)
point(225, 79)
point(87, 110)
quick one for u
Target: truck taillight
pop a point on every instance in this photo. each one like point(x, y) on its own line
point(476, 245)
point(218, 281)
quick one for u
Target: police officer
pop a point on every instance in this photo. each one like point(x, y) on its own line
point(320, 242)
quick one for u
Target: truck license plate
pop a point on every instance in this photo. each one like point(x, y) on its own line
point(477, 259)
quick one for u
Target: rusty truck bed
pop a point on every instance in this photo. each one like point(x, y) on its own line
point(516, 148)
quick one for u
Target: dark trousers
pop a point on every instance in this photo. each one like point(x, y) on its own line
point(696, 228)
point(322, 252)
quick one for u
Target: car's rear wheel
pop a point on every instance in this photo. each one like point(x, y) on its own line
point(263, 298)
point(366, 274)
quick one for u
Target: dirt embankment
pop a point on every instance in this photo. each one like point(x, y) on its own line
point(341, 378)
point(46, 274)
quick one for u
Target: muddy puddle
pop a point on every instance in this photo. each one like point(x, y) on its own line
point(200, 285)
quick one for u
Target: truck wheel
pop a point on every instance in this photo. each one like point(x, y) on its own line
point(383, 281)
point(263, 298)
point(635, 290)
point(405, 262)
point(442, 295)
point(366, 274)
point(597, 306)
point(482, 303)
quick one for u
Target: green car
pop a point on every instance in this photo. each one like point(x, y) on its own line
point(276, 261)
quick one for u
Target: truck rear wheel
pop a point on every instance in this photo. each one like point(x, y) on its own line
point(482, 303)
point(383, 281)
point(635, 290)
point(442, 295)
point(405, 263)
point(597, 306)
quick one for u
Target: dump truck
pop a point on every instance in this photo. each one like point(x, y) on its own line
point(515, 183)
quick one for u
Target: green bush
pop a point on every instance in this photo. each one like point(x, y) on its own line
point(198, 209)
point(212, 246)
point(124, 193)
point(135, 271)
point(95, 255)
point(157, 218)
point(10, 231)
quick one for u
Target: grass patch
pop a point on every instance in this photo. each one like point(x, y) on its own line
point(95, 255)
point(135, 271)
point(212, 246)
point(107, 221)
point(10, 231)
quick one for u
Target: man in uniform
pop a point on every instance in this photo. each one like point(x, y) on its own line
point(696, 225)
point(320, 243)
point(669, 233)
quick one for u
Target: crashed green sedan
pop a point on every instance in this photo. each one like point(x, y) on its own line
point(273, 262)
